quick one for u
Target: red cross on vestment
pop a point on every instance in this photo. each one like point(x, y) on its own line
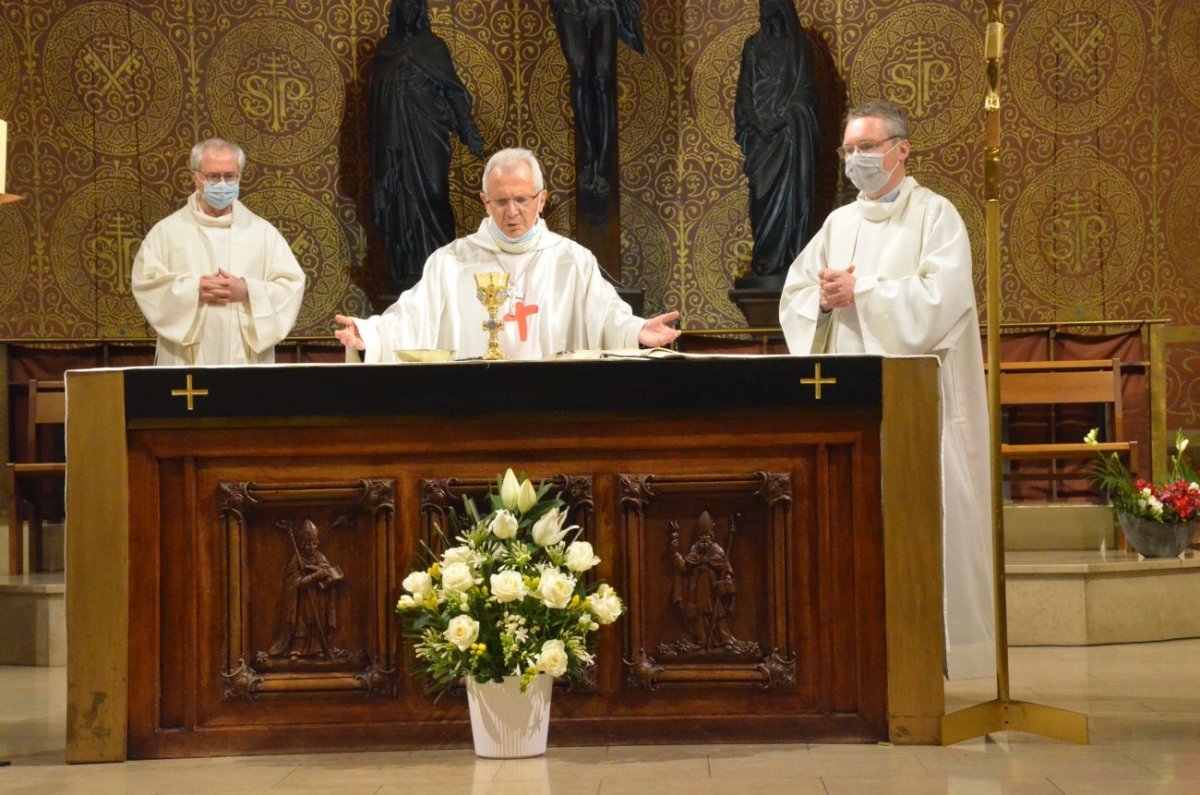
point(521, 312)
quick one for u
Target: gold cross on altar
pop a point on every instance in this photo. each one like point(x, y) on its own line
point(191, 393)
point(817, 381)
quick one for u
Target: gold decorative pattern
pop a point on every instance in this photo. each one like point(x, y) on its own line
point(111, 78)
point(924, 57)
point(14, 254)
point(1183, 220)
point(8, 72)
point(100, 227)
point(642, 90)
point(318, 243)
point(1075, 63)
point(715, 86)
point(1077, 215)
point(553, 119)
point(273, 88)
point(646, 248)
point(1183, 49)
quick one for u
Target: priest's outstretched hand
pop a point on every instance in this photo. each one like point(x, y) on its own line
point(658, 331)
point(348, 333)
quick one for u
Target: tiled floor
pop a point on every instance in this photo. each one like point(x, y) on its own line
point(1143, 701)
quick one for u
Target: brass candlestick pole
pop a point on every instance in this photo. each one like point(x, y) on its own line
point(1002, 713)
point(492, 291)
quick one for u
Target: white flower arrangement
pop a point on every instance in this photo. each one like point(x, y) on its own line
point(510, 599)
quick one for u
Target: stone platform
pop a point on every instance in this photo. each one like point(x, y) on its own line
point(33, 621)
point(1075, 598)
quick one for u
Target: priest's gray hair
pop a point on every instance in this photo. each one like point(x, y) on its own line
point(216, 143)
point(894, 116)
point(508, 159)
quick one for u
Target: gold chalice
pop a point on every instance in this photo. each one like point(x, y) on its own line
point(491, 289)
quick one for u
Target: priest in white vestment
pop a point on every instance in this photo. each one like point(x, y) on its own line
point(218, 283)
point(891, 274)
point(558, 299)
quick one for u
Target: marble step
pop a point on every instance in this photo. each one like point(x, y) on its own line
point(33, 621)
point(1082, 598)
point(1042, 526)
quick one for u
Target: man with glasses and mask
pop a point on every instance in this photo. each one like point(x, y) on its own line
point(218, 283)
point(890, 273)
point(558, 300)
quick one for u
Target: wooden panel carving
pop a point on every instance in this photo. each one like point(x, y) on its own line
point(308, 588)
point(707, 573)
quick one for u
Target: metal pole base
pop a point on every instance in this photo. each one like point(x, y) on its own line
point(1020, 716)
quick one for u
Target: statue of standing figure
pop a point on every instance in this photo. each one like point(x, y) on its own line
point(417, 101)
point(588, 31)
point(776, 126)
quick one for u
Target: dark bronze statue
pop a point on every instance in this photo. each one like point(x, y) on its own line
point(776, 121)
point(417, 101)
point(588, 31)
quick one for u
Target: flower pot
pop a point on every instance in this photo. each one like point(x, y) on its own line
point(1157, 539)
point(506, 723)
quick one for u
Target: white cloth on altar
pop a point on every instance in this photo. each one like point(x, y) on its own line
point(914, 294)
point(189, 244)
point(577, 309)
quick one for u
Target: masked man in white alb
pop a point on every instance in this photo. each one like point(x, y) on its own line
point(558, 300)
point(891, 274)
point(218, 283)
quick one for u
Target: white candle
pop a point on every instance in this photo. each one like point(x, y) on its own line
point(3, 150)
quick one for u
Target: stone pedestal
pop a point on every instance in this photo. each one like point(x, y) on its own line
point(33, 619)
point(758, 298)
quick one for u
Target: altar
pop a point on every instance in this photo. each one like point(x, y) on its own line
point(820, 476)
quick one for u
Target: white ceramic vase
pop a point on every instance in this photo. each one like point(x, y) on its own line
point(506, 723)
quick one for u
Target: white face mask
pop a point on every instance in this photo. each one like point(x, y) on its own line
point(866, 171)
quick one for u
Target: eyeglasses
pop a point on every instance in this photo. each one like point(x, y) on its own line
point(864, 147)
point(214, 178)
point(522, 202)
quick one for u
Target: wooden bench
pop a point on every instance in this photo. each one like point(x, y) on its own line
point(1057, 383)
point(28, 479)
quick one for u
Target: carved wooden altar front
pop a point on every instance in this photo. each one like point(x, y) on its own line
point(762, 537)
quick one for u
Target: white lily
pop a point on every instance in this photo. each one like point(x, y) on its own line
point(527, 498)
point(548, 530)
point(510, 490)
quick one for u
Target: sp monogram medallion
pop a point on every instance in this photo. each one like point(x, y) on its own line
point(276, 89)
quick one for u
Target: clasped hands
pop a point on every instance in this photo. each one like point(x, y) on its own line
point(223, 288)
point(836, 288)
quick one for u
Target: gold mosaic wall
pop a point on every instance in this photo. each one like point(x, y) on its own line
point(1101, 143)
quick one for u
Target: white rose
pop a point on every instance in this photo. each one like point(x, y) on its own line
point(419, 584)
point(462, 632)
point(510, 490)
point(555, 588)
point(553, 658)
point(548, 530)
point(457, 555)
point(580, 556)
point(508, 586)
point(605, 604)
point(527, 497)
point(406, 603)
point(503, 525)
point(457, 577)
